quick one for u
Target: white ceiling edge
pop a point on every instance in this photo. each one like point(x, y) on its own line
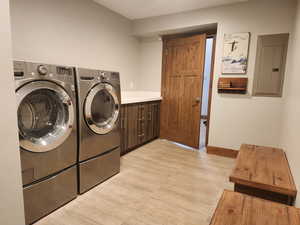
point(149, 37)
point(141, 9)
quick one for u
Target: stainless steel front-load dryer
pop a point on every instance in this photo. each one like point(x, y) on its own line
point(99, 134)
point(46, 101)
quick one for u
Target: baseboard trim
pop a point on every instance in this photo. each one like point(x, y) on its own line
point(226, 152)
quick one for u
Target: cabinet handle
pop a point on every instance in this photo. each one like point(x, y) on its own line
point(123, 124)
point(150, 116)
point(141, 135)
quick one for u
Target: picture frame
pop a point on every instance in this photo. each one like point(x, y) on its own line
point(235, 53)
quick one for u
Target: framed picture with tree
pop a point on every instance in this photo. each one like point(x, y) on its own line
point(235, 53)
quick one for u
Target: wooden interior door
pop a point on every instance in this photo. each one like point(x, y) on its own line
point(183, 68)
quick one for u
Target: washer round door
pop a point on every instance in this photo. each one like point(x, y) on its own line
point(45, 116)
point(101, 108)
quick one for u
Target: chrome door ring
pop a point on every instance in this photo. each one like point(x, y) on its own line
point(57, 137)
point(105, 127)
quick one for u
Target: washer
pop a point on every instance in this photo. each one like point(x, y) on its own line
point(46, 101)
point(99, 133)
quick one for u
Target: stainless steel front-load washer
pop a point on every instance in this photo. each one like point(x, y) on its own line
point(46, 101)
point(99, 135)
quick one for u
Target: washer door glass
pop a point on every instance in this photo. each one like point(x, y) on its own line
point(45, 116)
point(101, 108)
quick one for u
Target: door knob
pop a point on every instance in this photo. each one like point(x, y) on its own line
point(198, 99)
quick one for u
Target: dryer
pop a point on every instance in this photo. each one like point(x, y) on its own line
point(46, 104)
point(99, 133)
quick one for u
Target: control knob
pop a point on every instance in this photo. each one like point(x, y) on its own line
point(42, 70)
point(104, 76)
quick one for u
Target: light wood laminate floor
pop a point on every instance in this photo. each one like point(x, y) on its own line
point(159, 184)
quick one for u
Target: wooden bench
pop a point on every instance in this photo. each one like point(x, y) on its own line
point(264, 172)
point(240, 209)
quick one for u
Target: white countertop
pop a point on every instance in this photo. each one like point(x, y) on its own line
point(129, 97)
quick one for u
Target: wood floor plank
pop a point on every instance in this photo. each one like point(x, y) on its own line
point(159, 184)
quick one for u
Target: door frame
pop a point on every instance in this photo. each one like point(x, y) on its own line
point(210, 34)
point(213, 58)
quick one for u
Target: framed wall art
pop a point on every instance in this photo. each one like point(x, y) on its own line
point(235, 53)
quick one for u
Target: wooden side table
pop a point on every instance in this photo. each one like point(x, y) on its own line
point(240, 209)
point(264, 172)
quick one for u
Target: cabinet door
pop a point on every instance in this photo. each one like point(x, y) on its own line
point(121, 129)
point(156, 119)
point(132, 123)
point(142, 116)
point(150, 122)
point(124, 129)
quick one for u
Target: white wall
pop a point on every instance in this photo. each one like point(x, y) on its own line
point(234, 119)
point(75, 32)
point(291, 114)
point(150, 65)
point(11, 205)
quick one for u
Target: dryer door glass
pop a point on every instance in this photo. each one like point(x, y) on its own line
point(102, 108)
point(45, 116)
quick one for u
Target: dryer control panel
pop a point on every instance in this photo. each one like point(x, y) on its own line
point(25, 70)
point(28, 71)
point(109, 76)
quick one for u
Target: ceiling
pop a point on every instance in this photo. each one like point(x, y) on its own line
point(137, 9)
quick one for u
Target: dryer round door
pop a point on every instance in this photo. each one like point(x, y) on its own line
point(45, 116)
point(101, 108)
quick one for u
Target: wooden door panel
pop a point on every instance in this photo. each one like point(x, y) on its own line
point(190, 111)
point(171, 105)
point(182, 89)
point(174, 97)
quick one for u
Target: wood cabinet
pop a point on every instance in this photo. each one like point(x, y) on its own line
point(139, 124)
